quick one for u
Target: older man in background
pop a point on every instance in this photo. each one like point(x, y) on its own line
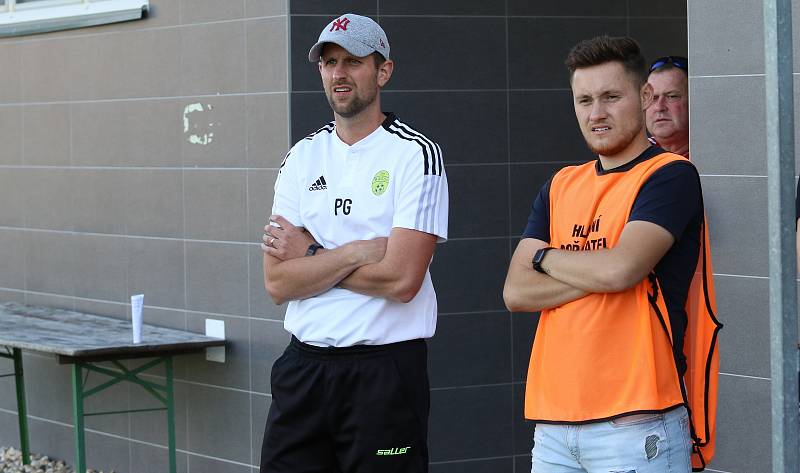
point(668, 115)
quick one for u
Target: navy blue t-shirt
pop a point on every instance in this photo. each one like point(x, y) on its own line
point(670, 198)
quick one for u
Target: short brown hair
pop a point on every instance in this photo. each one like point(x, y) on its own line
point(379, 59)
point(603, 49)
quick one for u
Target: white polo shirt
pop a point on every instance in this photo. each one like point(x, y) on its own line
point(392, 178)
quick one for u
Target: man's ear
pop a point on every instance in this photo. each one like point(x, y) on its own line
point(385, 72)
point(647, 95)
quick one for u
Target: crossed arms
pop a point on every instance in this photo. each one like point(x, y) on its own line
point(574, 274)
point(392, 267)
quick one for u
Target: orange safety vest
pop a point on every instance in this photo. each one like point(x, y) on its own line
point(607, 355)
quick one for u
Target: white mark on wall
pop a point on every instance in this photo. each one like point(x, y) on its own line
point(198, 123)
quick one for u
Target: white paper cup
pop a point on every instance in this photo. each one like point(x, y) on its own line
point(137, 302)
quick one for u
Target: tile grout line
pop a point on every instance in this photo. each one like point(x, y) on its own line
point(500, 16)
point(25, 212)
point(725, 275)
point(131, 168)
point(226, 169)
point(478, 386)
point(218, 169)
point(262, 93)
point(472, 91)
point(193, 240)
point(247, 222)
point(735, 375)
point(268, 395)
point(126, 277)
point(249, 320)
point(508, 213)
point(142, 99)
point(120, 235)
point(57, 36)
point(183, 235)
point(132, 440)
point(470, 460)
point(167, 309)
point(212, 314)
point(750, 176)
point(726, 76)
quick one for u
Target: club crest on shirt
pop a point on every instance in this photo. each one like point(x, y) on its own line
point(380, 182)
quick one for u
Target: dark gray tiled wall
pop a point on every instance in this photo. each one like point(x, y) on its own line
point(486, 81)
point(104, 196)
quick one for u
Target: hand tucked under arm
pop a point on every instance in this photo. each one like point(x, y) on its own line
point(641, 246)
point(290, 275)
point(527, 290)
point(285, 241)
point(399, 274)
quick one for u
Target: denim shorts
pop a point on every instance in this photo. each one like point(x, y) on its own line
point(645, 443)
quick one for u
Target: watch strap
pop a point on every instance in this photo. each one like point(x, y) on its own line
point(312, 249)
point(538, 257)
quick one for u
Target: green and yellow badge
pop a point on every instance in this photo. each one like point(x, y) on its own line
point(380, 182)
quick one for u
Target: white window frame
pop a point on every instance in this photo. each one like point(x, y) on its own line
point(52, 15)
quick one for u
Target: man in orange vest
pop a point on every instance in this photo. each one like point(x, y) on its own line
point(614, 256)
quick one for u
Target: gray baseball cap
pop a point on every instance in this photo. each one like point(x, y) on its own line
point(359, 35)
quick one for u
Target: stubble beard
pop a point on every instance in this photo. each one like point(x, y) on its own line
point(354, 107)
point(616, 146)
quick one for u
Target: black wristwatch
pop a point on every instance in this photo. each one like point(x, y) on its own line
point(312, 249)
point(538, 257)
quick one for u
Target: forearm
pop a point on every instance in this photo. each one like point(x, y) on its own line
point(400, 273)
point(380, 280)
point(640, 247)
point(301, 278)
point(590, 271)
point(527, 290)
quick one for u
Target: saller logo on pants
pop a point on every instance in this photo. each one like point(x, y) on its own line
point(394, 451)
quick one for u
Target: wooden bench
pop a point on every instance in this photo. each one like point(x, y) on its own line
point(83, 340)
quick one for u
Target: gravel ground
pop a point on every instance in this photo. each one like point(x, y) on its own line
point(11, 462)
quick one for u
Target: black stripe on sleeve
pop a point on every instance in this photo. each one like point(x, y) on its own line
point(283, 163)
point(396, 131)
point(435, 151)
point(328, 127)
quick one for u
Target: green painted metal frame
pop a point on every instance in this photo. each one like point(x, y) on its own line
point(162, 393)
point(22, 409)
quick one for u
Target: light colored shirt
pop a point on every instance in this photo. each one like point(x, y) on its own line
point(392, 178)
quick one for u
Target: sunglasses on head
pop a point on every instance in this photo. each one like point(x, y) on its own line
point(678, 61)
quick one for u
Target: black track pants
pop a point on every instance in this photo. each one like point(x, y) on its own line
point(361, 409)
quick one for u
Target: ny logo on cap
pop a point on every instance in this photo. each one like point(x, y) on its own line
point(382, 45)
point(340, 24)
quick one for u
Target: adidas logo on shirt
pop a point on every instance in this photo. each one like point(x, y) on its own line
point(319, 185)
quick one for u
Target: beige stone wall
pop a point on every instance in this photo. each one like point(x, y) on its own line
point(140, 157)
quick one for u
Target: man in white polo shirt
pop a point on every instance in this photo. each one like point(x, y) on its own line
point(359, 207)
